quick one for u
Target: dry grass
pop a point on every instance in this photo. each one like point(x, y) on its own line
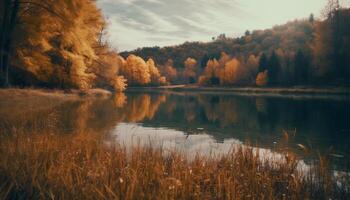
point(38, 163)
point(82, 166)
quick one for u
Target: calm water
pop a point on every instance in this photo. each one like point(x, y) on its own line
point(200, 122)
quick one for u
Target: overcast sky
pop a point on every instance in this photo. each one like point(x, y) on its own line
point(140, 23)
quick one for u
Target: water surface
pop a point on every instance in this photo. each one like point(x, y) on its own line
point(199, 122)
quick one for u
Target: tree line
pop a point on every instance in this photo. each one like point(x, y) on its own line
point(302, 52)
point(63, 44)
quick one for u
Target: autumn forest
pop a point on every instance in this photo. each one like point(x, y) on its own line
point(135, 99)
point(64, 45)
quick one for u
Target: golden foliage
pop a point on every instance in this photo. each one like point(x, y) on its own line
point(232, 73)
point(211, 71)
point(262, 79)
point(136, 71)
point(140, 73)
point(61, 46)
point(120, 100)
point(224, 58)
point(141, 107)
point(119, 83)
point(162, 80)
point(153, 70)
point(203, 80)
point(227, 71)
point(190, 68)
point(252, 64)
point(107, 68)
point(59, 50)
point(170, 72)
point(156, 78)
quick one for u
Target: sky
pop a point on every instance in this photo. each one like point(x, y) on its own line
point(148, 23)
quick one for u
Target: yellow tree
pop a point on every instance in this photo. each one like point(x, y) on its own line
point(170, 72)
point(212, 69)
point(262, 78)
point(106, 69)
point(55, 41)
point(156, 77)
point(232, 73)
point(190, 70)
point(136, 71)
point(211, 73)
point(252, 65)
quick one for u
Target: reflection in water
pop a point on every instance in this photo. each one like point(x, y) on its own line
point(81, 115)
point(140, 107)
point(260, 104)
point(202, 119)
point(319, 124)
point(120, 100)
point(133, 135)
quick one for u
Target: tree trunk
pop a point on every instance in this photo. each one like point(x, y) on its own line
point(3, 34)
point(7, 49)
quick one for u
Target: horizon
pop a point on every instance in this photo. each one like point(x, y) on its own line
point(148, 23)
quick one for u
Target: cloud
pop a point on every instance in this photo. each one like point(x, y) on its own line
point(138, 23)
point(163, 22)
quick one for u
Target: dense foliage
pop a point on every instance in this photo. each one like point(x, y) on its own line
point(62, 44)
point(55, 44)
point(301, 52)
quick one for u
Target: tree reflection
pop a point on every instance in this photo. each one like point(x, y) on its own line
point(140, 107)
point(120, 100)
point(223, 116)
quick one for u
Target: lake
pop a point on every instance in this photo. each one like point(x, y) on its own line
point(199, 122)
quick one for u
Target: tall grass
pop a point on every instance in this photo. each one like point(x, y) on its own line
point(83, 166)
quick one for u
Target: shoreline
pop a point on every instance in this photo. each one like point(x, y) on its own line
point(337, 93)
point(250, 90)
point(54, 93)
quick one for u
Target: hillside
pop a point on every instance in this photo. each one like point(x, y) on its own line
point(290, 37)
point(301, 52)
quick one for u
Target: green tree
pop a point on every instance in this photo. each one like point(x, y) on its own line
point(204, 61)
point(8, 20)
point(263, 62)
point(301, 63)
point(311, 18)
point(273, 69)
point(331, 47)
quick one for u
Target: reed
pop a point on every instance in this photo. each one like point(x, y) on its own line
point(83, 166)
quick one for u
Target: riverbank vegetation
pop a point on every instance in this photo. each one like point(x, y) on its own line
point(53, 145)
point(82, 166)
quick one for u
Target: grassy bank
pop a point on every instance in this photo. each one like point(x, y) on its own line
point(18, 93)
point(38, 161)
point(82, 166)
